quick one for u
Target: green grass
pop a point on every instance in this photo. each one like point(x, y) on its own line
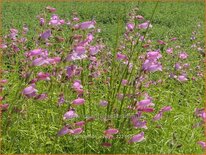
point(34, 129)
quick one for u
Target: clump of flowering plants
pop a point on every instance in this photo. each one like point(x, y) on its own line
point(101, 93)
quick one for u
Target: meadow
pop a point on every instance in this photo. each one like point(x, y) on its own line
point(141, 92)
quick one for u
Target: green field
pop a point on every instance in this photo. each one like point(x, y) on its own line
point(31, 126)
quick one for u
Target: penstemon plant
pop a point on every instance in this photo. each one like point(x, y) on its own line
point(73, 66)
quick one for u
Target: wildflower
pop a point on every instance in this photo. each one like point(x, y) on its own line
point(169, 50)
point(40, 61)
point(183, 55)
point(87, 25)
point(78, 87)
point(78, 101)
point(110, 132)
point(124, 82)
point(4, 107)
point(80, 124)
point(106, 144)
point(137, 138)
point(41, 96)
point(46, 34)
point(50, 9)
point(61, 99)
point(70, 114)
point(130, 26)
point(202, 144)
point(41, 21)
point(103, 103)
point(65, 130)
point(182, 78)
point(145, 25)
point(43, 76)
point(121, 56)
point(30, 91)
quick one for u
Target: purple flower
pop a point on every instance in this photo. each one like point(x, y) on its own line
point(169, 50)
point(40, 61)
point(182, 78)
point(41, 21)
point(41, 96)
point(50, 9)
point(4, 107)
point(87, 25)
point(43, 76)
point(145, 103)
point(103, 103)
point(65, 130)
point(61, 99)
point(157, 117)
point(202, 144)
point(183, 55)
point(70, 114)
point(138, 123)
point(46, 34)
point(30, 91)
point(78, 101)
point(124, 82)
point(130, 26)
point(80, 124)
point(166, 108)
point(145, 25)
point(137, 138)
point(121, 56)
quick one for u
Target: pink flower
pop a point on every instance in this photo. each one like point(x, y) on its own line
point(54, 60)
point(94, 50)
point(130, 26)
point(87, 25)
point(50, 9)
point(80, 124)
point(145, 25)
point(78, 101)
point(145, 103)
point(178, 66)
point(78, 87)
point(161, 42)
point(110, 132)
point(151, 66)
point(43, 76)
point(76, 131)
point(157, 117)
point(137, 138)
point(41, 21)
point(139, 17)
point(166, 108)
point(39, 62)
point(30, 91)
point(70, 114)
point(182, 78)
point(35, 52)
point(183, 55)
point(137, 123)
point(41, 96)
point(61, 99)
point(106, 144)
point(65, 130)
point(46, 34)
point(169, 50)
point(4, 107)
point(202, 144)
point(121, 56)
point(103, 103)
point(124, 82)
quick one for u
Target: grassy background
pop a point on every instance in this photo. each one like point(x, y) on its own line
point(34, 130)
